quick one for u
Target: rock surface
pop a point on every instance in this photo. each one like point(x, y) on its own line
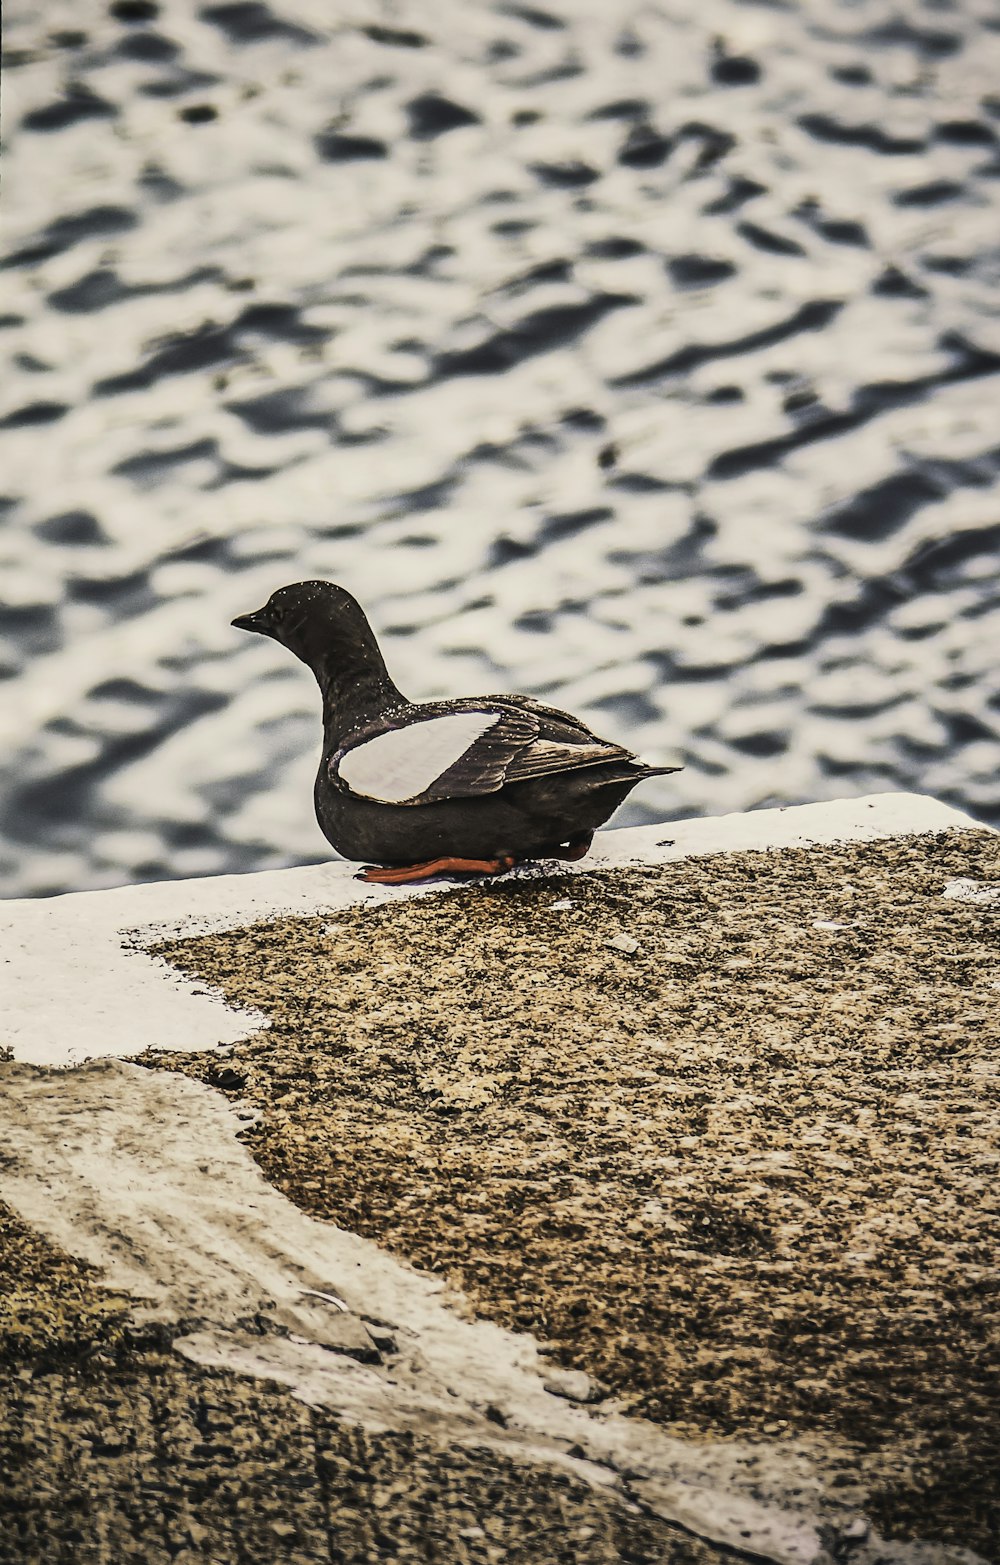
point(696, 1234)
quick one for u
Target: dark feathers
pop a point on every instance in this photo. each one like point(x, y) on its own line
point(498, 777)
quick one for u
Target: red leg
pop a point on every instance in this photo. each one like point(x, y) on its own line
point(404, 874)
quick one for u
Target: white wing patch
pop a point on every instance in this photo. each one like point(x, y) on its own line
point(399, 765)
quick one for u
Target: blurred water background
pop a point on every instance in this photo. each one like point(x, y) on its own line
point(642, 356)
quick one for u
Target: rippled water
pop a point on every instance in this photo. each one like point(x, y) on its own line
point(641, 356)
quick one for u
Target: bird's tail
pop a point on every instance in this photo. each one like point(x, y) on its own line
point(646, 769)
point(615, 774)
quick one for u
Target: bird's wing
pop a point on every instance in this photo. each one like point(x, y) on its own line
point(440, 754)
point(546, 756)
point(564, 743)
point(552, 723)
point(461, 749)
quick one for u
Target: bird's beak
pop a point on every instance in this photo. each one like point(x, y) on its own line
point(256, 621)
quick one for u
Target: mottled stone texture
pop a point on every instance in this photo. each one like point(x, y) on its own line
point(744, 1176)
point(140, 1459)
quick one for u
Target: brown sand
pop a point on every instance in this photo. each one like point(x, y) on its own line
point(746, 1176)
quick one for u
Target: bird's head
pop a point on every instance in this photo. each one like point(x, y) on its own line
point(311, 618)
point(326, 628)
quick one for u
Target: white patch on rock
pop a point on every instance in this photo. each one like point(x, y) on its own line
point(399, 765)
point(627, 943)
point(979, 891)
point(78, 982)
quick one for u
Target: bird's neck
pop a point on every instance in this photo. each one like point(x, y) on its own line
point(355, 691)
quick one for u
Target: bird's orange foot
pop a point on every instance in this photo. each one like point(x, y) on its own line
point(405, 874)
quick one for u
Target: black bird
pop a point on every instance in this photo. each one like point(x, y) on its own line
point(474, 785)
